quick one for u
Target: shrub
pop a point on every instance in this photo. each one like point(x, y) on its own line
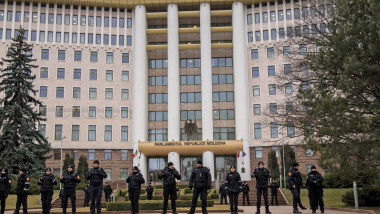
point(335, 180)
point(368, 196)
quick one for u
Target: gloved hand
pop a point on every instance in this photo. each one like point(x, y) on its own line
point(191, 187)
point(240, 189)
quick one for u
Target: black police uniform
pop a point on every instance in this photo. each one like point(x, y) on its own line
point(96, 175)
point(69, 180)
point(149, 192)
point(223, 193)
point(46, 182)
point(295, 179)
point(233, 182)
point(62, 195)
point(274, 187)
point(245, 191)
point(314, 185)
point(5, 186)
point(86, 196)
point(200, 179)
point(262, 176)
point(108, 192)
point(168, 177)
point(134, 180)
point(22, 193)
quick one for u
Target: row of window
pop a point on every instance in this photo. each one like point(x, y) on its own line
point(92, 93)
point(75, 132)
point(82, 20)
point(190, 63)
point(272, 88)
point(311, 12)
point(77, 74)
point(92, 111)
point(290, 130)
point(270, 51)
point(273, 108)
point(272, 69)
point(219, 133)
point(91, 154)
point(191, 80)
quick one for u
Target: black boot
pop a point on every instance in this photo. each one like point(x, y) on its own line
point(258, 212)
point(302, 207)
point(267, 211)
point(296, 211)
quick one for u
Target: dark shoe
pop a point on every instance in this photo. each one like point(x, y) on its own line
point(296, 211)
point(303, 208)
point(313, 211)
point(268, 212)
point(258, 212)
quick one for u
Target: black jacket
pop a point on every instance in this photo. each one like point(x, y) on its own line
point(200, 177)
point(46, 182)
point(96, 175)
point(294, 178)
point(69, 180)
point(107, 189)
point(314, 182)
point(134, 181)
point(273, 187)
point(5, 183)
point(233, 182)
point(262, 176)
point(149, 189)
point(222, 189)
point(23, 184)
point(168, 176)
point(245, 188)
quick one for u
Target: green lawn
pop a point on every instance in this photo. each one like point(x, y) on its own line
point(33, 200)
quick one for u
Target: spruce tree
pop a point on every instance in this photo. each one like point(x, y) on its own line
point(82, 167)
point(68, 161)
point(21, 144)
point(273, 166)
point(290, 158)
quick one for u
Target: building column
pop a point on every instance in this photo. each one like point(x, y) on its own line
point(208, 161)
point(240, 68)
point(140, 87)
point(175, 159)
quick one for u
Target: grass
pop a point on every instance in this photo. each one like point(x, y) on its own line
point(33, 201)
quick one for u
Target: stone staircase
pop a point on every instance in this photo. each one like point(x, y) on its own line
point(253, 196)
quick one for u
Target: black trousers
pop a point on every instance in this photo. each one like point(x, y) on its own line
point(46, 198)
point(134, 196)
point(221, 198)
point(199, 191)
point(234, 196)
point(245, 196)
point(108, 197)
point(96, 198)
point(274, 195)
point(22, 199)
point(172, 192)
point(3, 199)
point(86, 200)
point(316, 198)
point(149, 195)
point(262, 191)
point(296, 197)
point(73, 198)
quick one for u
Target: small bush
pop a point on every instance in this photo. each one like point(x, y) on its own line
point(368, 196)
point(335, 180)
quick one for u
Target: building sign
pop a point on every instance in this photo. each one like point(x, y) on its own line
point(218, 147)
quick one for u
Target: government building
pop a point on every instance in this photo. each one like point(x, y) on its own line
point(143, 83)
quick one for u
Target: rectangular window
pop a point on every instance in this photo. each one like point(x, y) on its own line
point(92, 93)
point(43, 91)
point(273, 33)
point(302, 49)
point(223, 96)
point(50, 36)
point(288, 14)
point(121, 23)
point(92, 133)
point(92, 111)
point(124, 154)
point(114, 22)
point(255, 72)
point(9, 15)
point(90, 21)
point(75, 20)
point(93, 56)
point(76, 111)
point(125, 57)
point(75, 133)
point(59, 19)
point(256, 109)
point(121, 40)
point(109, 75)
point(77, 74)
point(266, 35)
point(305, 30)
point(273, 16)
point(124, 75)
point(124, 112)
point(286, 51)
point(109, 57)
point(224, 114)
point(34, 35)
point(98, 39)
point(254, 54)
point(250, 37)
point(42, 36)
point(34, 17)
point(1, 15)
point(58, 37)
point(106, 21)
point(60, 92)
point(280, 15)
point(272, 89)
point(78, 56)
point(44, 73)
point(265, 17)
point(296, 13)
point(107, 155)
point(289, 106)
point(42, 17)
point(98, 21)
point(109, 93)
point(42, 129)
point(270, 53)
point(287, 68)
point(189, 115)
point(124, 94)
point(291, 130)
point(83, 20)
point(224, 133)
point(129, 23)
point(259, 152)
point(91, 154)
point(59, 111)
point(82, 38)
point(67, 19)
point(288, 88)
point(271, 71)
point(163, 98)
point(257, 17)
point(58, 132)
point(109, 173)
point(257, 129)
point(45, 54)
point(42, 110)
point(60, 73)
point(124, 133)
point(90, 38)
point(256, 90)
point(274, 130)
point(108, 112)
point(275, 148)
point(123, 173)
point(61, 54)
point(107, 133)
point(76, 92)
point(129, 40)
point(272, 108)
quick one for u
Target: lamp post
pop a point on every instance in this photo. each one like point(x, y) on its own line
point(283, 153)
point(60, 169)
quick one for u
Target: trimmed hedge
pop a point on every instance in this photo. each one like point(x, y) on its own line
point(179, 186)
point(150, 205)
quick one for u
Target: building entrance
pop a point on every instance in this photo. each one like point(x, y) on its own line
point(155, 164)
point(187, 165)
point(222, 166)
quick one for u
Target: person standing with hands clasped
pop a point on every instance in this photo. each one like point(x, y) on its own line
point(22, 192)
point(5, 186)
point(223, 193)
point(234, 186)
point(295, 184)
point(262, 176)
point(200, 179)
point(314, 185)
point(46, 182)
point(273, 186)
point(149, 191)
point(134, 180)
point(69, 180)
point(169, 176)
point(96, 176)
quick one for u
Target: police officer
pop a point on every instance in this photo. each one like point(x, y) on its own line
point(273, 186)
point(22, 192)
point(295, 183)
point(46, 182)
point(233, 182)
point(69, 180)
point(96, 175)
point(5, 186)
point(86, 195)
point(200, 179)
point(223, 193)
point(134, 180)
point(149, 191)
point(314, 185)
point(245, 191)
point(107, 192)
point(262, 175)
point(169, 176)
